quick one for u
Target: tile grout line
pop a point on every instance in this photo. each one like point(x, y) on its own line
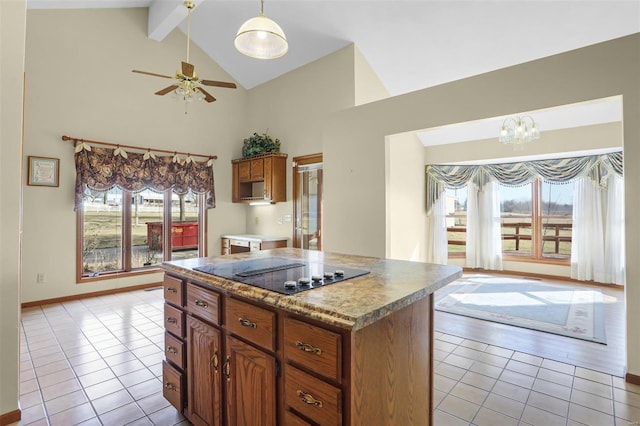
point(70, 315)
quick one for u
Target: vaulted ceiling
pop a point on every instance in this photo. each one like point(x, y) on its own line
point(411, 45)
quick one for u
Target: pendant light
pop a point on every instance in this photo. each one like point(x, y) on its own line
point(261, 38)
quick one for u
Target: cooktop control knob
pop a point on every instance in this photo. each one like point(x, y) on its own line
point(304, 281)
point(316, 278)
point(339, 273)
point(328, 275)
point(290, 284)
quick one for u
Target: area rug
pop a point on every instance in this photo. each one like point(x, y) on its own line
point(529, 303)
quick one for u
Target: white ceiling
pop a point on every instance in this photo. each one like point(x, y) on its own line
point(411, 45)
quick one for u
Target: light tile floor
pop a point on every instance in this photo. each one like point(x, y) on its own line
point(484, 385)
point(97, 361)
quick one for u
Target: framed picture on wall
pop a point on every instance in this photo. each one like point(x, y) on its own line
point(43, 171)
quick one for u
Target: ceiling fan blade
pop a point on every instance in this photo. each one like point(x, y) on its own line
point(218, 84)
point(151, 73)
point(187, 69)
point(207, 95)
point(167, 90)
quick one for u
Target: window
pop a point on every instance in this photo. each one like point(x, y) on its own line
point(516, 216)
point(123, 226)
point(122, 232)
point(556, 220)
point(537, 220)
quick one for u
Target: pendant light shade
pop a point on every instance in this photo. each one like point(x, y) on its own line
point(261, 38)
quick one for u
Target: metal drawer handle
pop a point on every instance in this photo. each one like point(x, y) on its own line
point(201, 303)
point(172, 320)
point(214, 361)
point(247, 323)
point(170, 386)
point(172, 290)
point(226, 368)
point(307, 398)
point(308, 348)
point(171, 350)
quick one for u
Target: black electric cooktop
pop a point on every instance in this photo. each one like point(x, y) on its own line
point(285, 276)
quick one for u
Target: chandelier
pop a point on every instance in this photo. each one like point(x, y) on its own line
point(518, 131)
point(261, 38)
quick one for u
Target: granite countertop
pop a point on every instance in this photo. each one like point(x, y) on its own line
point(254, 237)
point(352, 304)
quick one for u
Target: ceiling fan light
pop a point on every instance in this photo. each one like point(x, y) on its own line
point(261, 38)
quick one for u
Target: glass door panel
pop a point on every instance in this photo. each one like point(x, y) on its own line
point(308, 202)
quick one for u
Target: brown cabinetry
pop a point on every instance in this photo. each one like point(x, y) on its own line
point(251, 385)
point(204, 389)
point(261, 178)
point(251, 363)
point(173, 368)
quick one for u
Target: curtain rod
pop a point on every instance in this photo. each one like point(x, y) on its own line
point(119, 145)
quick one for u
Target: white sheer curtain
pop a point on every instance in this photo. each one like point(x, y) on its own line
point(484, 234)
point(437, 240)
point(587, 239)
point(614, 252)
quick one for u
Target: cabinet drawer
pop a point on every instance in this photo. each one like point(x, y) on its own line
point(252, 323)
point(173, 290)
point(203, 303)
point(172, 387)
point(313, 398)
point(174, 320)
point(314, 348)
point(291, 419)
point(225, 246)
point(174, 350)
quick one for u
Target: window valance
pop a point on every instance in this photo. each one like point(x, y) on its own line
point(557, 171)
point(102, 169)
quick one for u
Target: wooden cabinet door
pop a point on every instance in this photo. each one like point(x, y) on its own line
point(251, 385)
point(203, 372)
point(257, 169)
point(244, 171)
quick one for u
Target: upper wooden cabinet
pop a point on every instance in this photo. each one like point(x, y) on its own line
point(261, 178)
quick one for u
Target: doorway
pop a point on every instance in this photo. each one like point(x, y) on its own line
point(307, 202)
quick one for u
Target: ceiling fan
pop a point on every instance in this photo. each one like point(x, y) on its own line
point(188, 84)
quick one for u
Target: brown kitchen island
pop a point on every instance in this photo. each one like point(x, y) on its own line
point(349, 351)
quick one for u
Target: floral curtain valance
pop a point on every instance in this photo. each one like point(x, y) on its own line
point(102, 169)
point(597, 167)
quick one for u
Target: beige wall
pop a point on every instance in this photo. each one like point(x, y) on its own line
point(294, 108)
point(12, 36)
point(561, 142)
point(354, 142)
point(79, 83)
point(368, 87)
point(406, 215)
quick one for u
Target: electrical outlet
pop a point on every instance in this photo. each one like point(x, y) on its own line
point(287, 218)
point(40, 278)
point(279, 221)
